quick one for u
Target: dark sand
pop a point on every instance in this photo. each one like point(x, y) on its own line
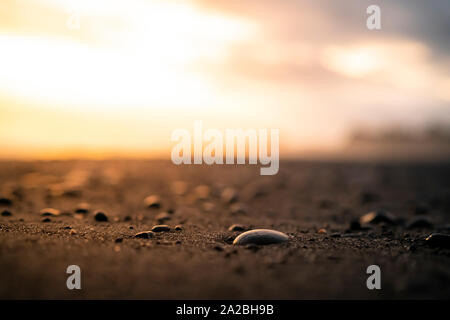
point(301, 199)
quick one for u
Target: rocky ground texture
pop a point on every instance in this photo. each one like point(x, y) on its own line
point(153, 230)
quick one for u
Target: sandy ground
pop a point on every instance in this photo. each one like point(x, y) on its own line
point(199, 261)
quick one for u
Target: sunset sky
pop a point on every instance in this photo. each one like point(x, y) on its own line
point(135, 70)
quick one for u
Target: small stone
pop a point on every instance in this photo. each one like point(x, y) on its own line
point(202, 192)
point(238, 208)
point(335, 235)
point(438, 240)
point(208, 206)
point(6, 213)
point(131, 227)
point(118, 240)
point(355, 225)
point(163, 217)
point(236, 227)
point(161, 228)
point(179, 188)
point(322, 231)
point(419, 223)
point(350, 235)
point(229, 195)
point(116, 219)
point(5, 201)
point(379, 216)
point(46, 220)
point(255, 190)
point(79, 216)
point(152, 202)
point(178, 228)
point(73, 231)
point(368, 197)
point(260, 237)
point(144, 235)
point(100, 217)
point(83, 208)
point(50, 212)
point(74, 193)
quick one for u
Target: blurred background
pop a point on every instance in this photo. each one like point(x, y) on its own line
point(114, 78)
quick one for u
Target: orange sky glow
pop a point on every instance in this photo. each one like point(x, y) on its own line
point(136, 70)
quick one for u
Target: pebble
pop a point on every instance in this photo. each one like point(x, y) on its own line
point(153, 202)
point(438, 240)
point(202, 192)
point(229, 195)
point(355, 225)
point(379, 216)
point(238, 208)
point(322, 231)
point(50, 212)
point(5, 201)
point(46, 220)
point(236, 227)
point(83, 208)
point(350, 235)
point(161, 228)
point(208, 206)
point(367, 197)
point(260, 237)
point(419, 223)
point(100, 216)
point(74, 193)
point(73, 231)
point(144, 235)
point(6, 213)
point(335, 235)
point(163, 217)
point(254, 190)
point(178, 228)
point(179, 188)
